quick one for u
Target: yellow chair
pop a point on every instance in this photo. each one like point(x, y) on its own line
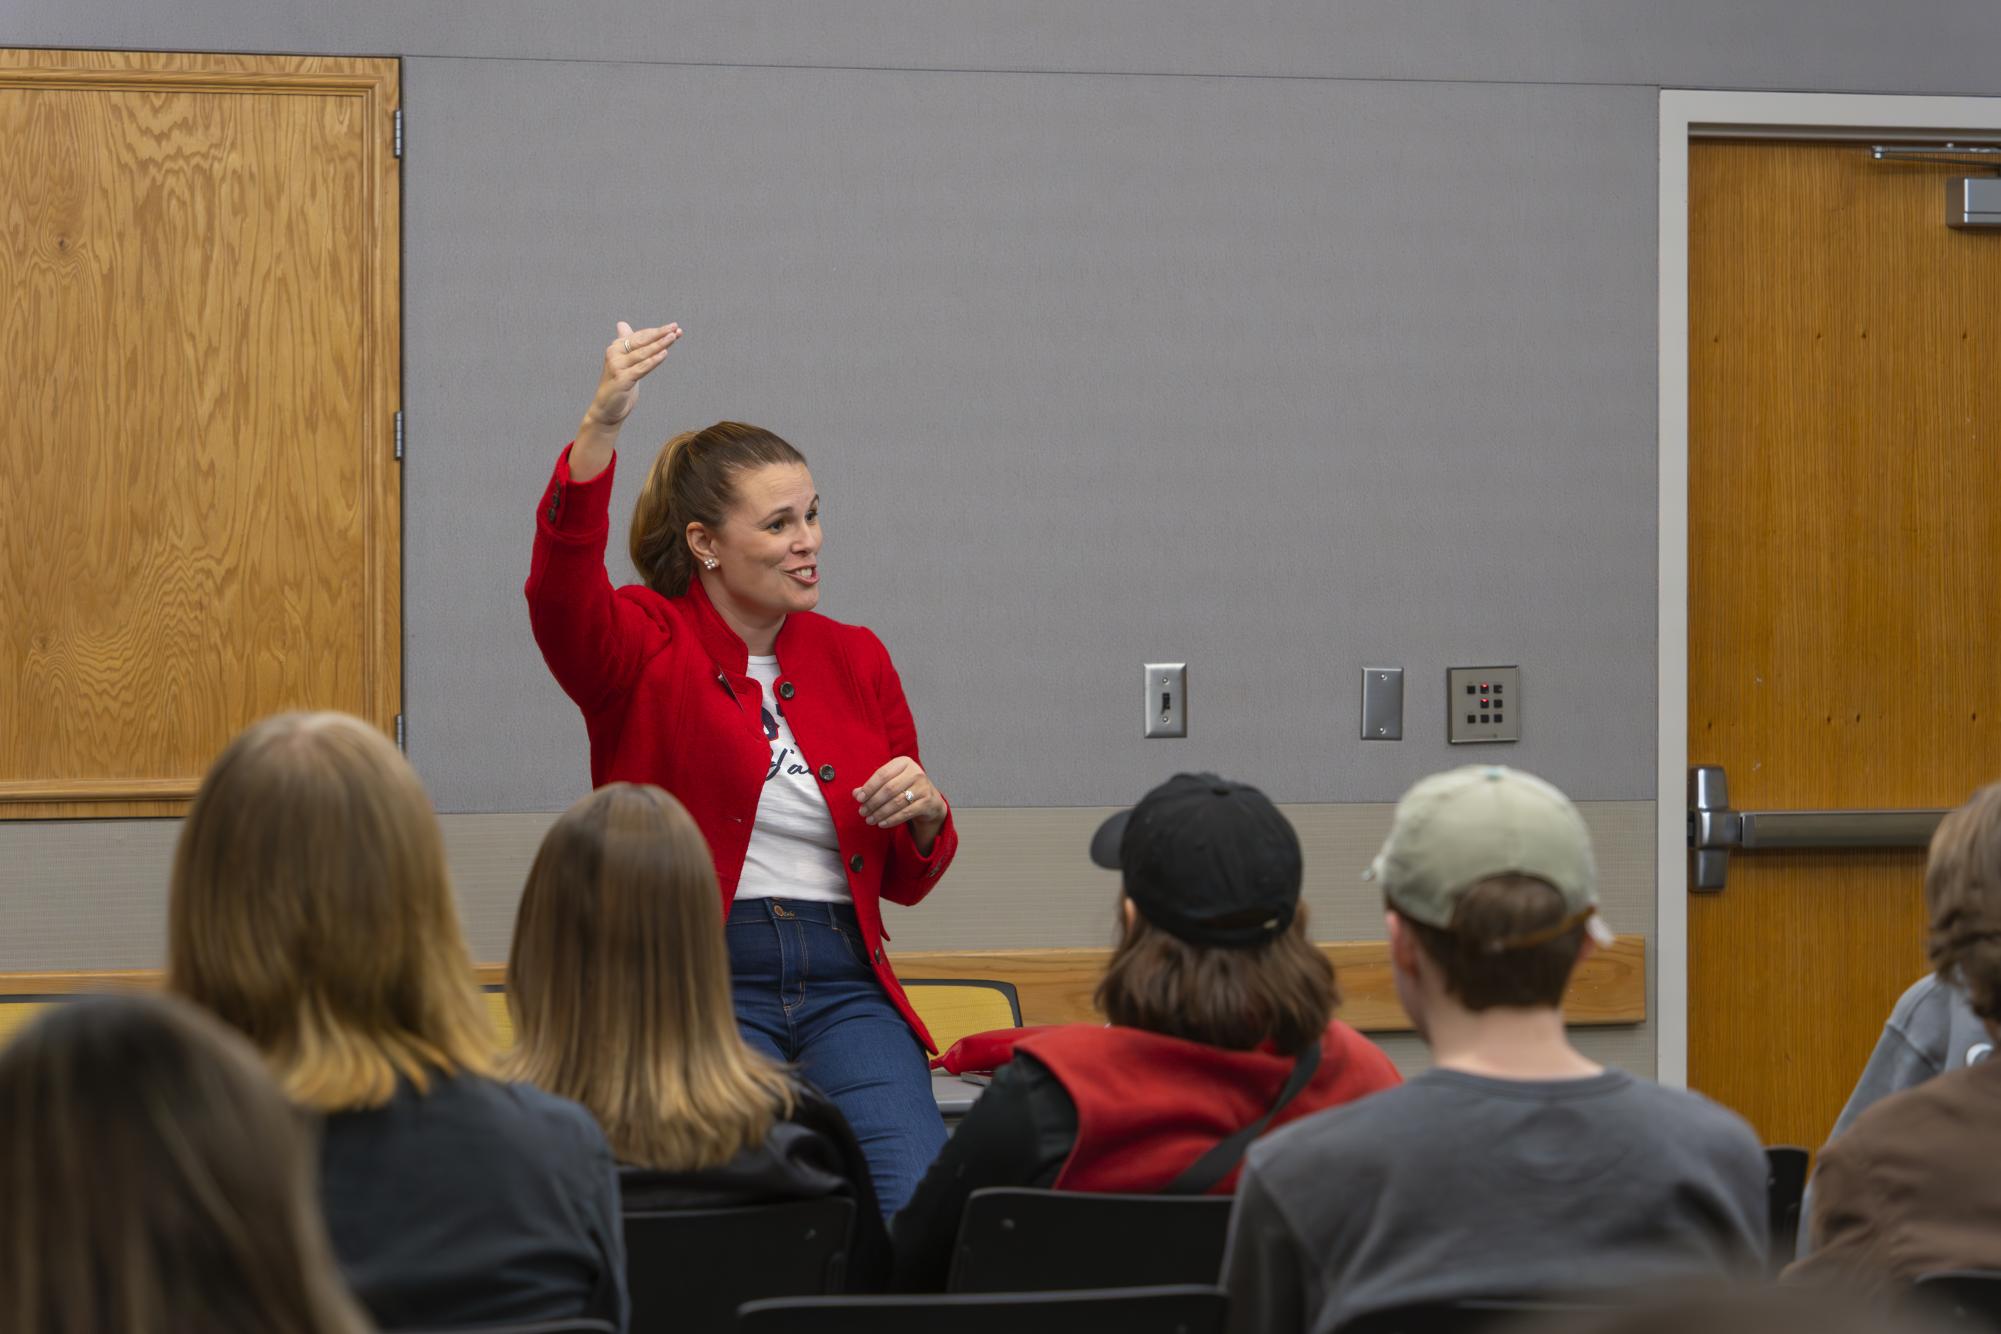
point(17, 1014)
point(496, 1010)
point(952, 1007)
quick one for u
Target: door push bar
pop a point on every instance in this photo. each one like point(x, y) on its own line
point(1714, 830)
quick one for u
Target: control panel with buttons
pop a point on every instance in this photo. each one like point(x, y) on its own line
point(1483, 704)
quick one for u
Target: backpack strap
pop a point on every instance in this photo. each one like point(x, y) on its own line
point(1201, 1176)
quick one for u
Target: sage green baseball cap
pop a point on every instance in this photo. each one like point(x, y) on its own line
point(1457, 828)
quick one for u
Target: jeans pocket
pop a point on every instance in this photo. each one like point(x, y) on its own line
point(852, 939)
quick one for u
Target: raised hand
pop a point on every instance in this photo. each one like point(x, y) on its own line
point(628, 359)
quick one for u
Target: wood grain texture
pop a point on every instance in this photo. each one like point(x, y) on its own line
point(1055, 985)
point(1843, 546)
point(199, 504)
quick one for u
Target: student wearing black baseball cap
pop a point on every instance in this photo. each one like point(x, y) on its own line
point(1221, 1027)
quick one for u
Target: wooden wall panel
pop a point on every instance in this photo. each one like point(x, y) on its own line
point(198, 496)
point(1055, 985)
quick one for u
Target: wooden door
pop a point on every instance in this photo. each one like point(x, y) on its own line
point(199, 517)
point(1844, 568)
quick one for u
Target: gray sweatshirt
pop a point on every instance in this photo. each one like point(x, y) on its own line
point(1457, 1186)
point(1931, 1030)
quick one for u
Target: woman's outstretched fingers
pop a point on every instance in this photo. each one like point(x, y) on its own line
point(628, 359)
point(642, 339)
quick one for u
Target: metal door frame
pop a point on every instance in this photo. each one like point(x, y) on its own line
point(1685, 115)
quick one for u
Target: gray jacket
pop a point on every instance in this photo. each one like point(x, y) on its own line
point(1931, 1030)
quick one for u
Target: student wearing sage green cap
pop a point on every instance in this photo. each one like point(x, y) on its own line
point(1221, 1026)
point(1515, 1167)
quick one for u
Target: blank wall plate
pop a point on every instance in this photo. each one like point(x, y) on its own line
point(1166, 699)
point(1382, 704)
point(1483, 704)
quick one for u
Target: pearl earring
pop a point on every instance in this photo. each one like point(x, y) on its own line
point(709, 564)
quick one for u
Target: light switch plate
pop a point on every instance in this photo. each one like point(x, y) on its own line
point(1166, 699)
point(1483, 704)
point(1382, 704)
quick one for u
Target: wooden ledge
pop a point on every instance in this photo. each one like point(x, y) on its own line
point(1055, 985)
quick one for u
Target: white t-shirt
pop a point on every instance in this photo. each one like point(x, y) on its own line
point(793, 851)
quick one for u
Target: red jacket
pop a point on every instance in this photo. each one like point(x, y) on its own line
point(1150, 1105)
point(662, 685)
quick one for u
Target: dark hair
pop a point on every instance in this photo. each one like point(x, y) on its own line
point(1483, 972)
point(154, 1180)
point(693, 480)
point(1963, 896)
point(1281, 991)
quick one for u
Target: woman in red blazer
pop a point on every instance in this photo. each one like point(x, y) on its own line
point(784, 733)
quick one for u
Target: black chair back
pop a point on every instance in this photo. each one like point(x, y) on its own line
point(1969, 1297)
point(689, 1269)
point(1013, 1240)
point(577, 1325)
point(1176, 1310)
point(1057, 1241)
point(1472, 1315)
point(1785, 1187)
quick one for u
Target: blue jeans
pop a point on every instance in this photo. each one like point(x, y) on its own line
point(805, 995)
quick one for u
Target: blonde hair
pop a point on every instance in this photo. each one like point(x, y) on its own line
point(154, 1181)
point(310, 909)
point(1963, 896)
point(619, 986)
point(693, 480)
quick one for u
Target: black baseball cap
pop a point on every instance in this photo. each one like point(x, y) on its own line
point(1207, 860)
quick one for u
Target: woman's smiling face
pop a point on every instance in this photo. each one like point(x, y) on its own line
point(767, 550)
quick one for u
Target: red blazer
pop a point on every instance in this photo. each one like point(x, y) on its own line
point(1150, 1105)
point(662, 685)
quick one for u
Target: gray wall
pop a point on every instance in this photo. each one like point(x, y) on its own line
point(1091, 374)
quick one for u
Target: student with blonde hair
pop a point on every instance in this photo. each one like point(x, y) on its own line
point(310, 909)
point(619, 987)
point(154, 1180)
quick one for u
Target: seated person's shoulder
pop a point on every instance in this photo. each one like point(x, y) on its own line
point(1687, 1117)
point(1358, 1129)
point(540, 1118)
point(809, 1153)
point(1925, 1003)
point(1911, 1118)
